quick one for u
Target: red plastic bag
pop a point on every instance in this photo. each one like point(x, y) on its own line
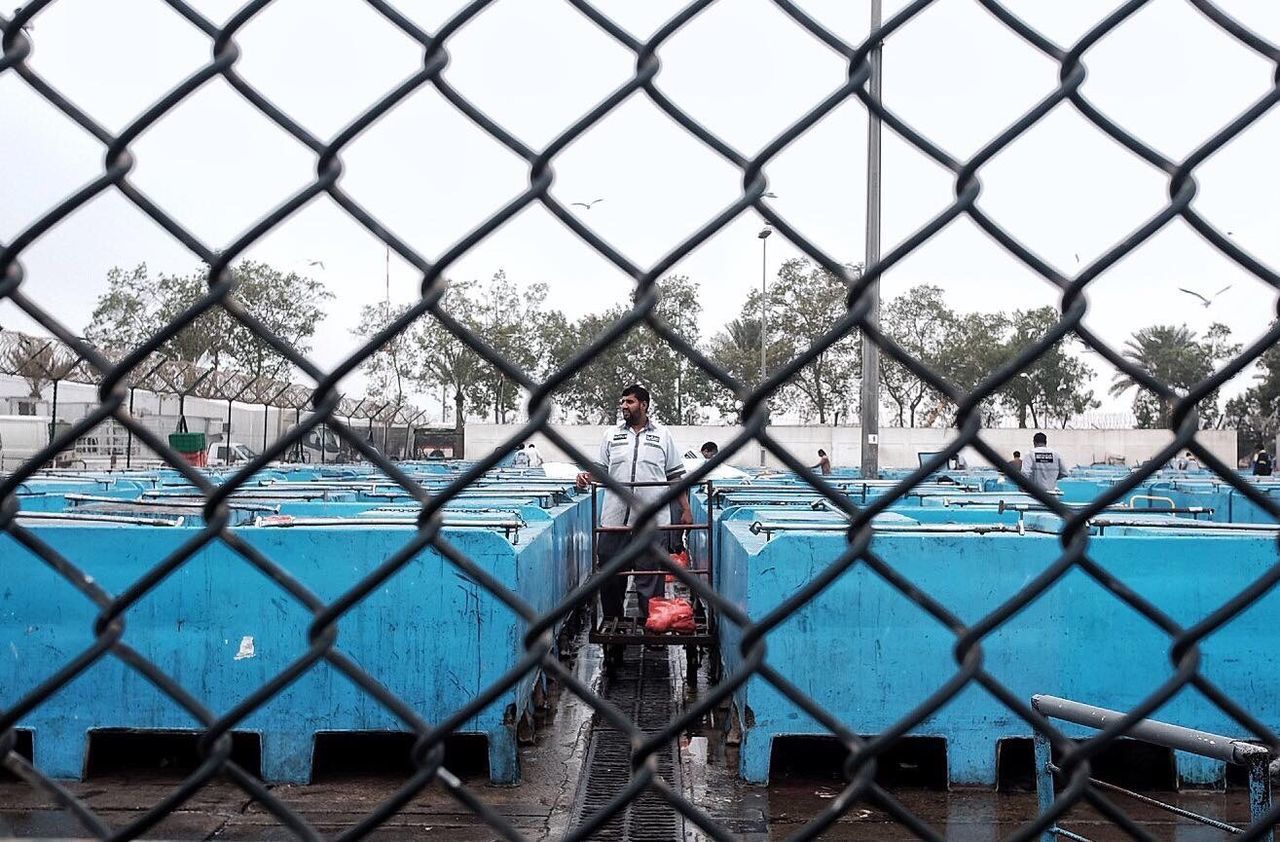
point(669, 615)
point(681, 558)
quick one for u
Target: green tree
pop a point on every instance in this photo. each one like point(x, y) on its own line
point(1051, 389)
point(445, 359)
point(736, 348)
point(974, 347)
point(137, 306)
point(1255, 414)
point(920, 321)
point(803, 302)
point(393, 370)
point(680, 390)
point(1255, 423)
point(511, 319)
point(1180, 360)
point(126, 314)
point(808, 301)
point(686, 390)
point(287, 304)
point(592, 392)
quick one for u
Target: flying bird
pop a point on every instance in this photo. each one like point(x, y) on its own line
point(1205, 302)
point(319, 263)
point(586, 205)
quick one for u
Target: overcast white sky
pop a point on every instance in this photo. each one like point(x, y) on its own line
point(742, 67)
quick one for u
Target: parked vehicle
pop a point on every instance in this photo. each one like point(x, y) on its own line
point(21, 437)
point(319, 445)
point(221, 454)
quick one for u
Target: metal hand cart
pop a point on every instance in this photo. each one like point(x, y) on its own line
point(630, 630)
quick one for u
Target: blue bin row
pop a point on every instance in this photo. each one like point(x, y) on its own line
point(218, 626)
point(972, 544)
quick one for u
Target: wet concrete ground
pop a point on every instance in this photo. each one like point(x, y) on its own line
point(542, 806)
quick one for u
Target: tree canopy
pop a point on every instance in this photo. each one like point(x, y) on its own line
point(1256, 412)
point(139, 304)
point(965, 349)
point(680, 390)
point(1176, 357)
point(802, 303)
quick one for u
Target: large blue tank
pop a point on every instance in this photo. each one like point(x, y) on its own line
point(221, 628)
point(869, 655)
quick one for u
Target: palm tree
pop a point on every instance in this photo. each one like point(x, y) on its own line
point(743, 335)
point(1175, 357)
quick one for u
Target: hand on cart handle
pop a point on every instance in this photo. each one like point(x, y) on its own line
point(583, 480)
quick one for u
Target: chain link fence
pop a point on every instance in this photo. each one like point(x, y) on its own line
point(114, 378)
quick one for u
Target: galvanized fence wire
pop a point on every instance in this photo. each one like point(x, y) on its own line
point(114, 378)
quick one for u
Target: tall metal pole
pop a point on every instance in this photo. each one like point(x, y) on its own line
point(764, 309)
point(870, 396)
point(128, 446)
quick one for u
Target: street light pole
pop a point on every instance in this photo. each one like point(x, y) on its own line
point(764, 309)
point(870, 392)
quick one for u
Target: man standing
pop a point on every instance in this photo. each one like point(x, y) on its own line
point(636, 451)
point(824, 463)
point(535, 458)
point(1016, 461)
point(1042, 465)
point(1261, 462)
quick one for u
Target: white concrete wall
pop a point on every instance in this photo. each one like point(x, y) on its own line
point(898, 446)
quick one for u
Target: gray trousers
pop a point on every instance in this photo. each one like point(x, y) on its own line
point(614, 591)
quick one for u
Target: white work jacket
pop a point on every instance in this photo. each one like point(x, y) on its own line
point(650, 455)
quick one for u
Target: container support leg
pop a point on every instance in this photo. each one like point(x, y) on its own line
point(1260, 794)
point(1044, 782)
point(504, 762)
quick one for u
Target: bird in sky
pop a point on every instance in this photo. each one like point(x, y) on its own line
point(1205, 302)
point(319, 263)
point(586, 205)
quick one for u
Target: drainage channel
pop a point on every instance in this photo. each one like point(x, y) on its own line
point(640, 687)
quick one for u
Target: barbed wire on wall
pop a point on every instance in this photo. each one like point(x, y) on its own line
point(112, 376)
point(43, 360)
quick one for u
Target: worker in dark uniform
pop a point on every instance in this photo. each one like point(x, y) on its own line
point(1261, 462)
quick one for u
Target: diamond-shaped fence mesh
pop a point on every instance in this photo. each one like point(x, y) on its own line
point(325, 407)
